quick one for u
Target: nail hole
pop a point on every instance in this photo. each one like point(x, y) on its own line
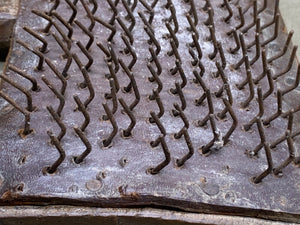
point(22, 160)
point(20, 187)
point(123, 161)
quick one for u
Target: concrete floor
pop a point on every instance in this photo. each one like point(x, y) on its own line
point(290, 10)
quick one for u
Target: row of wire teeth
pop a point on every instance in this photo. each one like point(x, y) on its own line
point(155, 68)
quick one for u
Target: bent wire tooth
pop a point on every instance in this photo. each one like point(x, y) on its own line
point(103, 49)
point(181, 73)
point(193, 11)
point(289, 128)
point(156, 61)
point(134, 4)
point(265, 5)
point(128, 132)
point(257, 49)
point(219, 93)
point(276, 31)
point(296, 83)
point(26, 129)
point(106, 142)
point(210, 19)
point(246, 103)
point(177, 56)
point(203, 122)
point(67, 54)
point(247, 28)
point(125, 29)
point(131, 51)
point(89, 85)
point(214, 41)
point(54, 7)
point(192, 28)
point(129, 16)
point(222, 56)
point(286, 46)
point(59, 75)
point(180, 162)
point(247, 67)
point(269, 170)
point(242, 23)
point(291, 157)
point(207, 5)
point(158, 168)
point(153, 39)
point(197, 46)
point(184, 119)
point(216, 135)
point(46, 17)
point(244, 52)
point(58, 120)
point(65, 23)
point(173, 18)
point(265, 67)
point(222, 114)
point(83, 110)
point(157, 80)
point(113, 7)
point(149, 10)
point(30, 106)
point(128, 73)
point(173, 36)
point(260, 112)
point(42, 49)
point(87, 32)
point(113, 76)
point(181, 97)
point(111, 27)
point(203, 85)
point(57, 94)
point(145, 21)
point(234, 123)
point(34, 51)
point(271, 85)
point(290, 64)
point(35, 86)
point(193, 55)
point(136, 92)
point(160, 106)
point(158, 124)
point(237, 42)
point(278, 113)
point(276, 10)
point(258, 31)
point(113, 95)
point(62, 155)
point(95, 8)
point(74, 11)
point(113, 57)
point(87, 54)
point(230, 12)
point(79, 159)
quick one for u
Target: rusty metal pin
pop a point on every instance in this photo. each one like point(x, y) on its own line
point(35, 86)
point(87, 32)
point(128, 73)
point(181, 73)
point(234, 122)
point(237, 42)
point(173, 36)
point(271, 84)
point(46, 17)
point(173, 18)
point(222, 114)
point(269, 170)
point(62, 155)
point(230, 12)
point(113, 57)
point(59, 75)
point(291, 157)
point(34, 51)
point(257, 47)
point(278, 113)
point(290, 64)
point(247, 28)
point(181, 97)
point(129, 16)
point(260, 112)
point(113, 75)
point(158, 168)
point(42, 49)
point(247, 67)
point(79, 159)
point(30, 106)
point(113, 6)
point(145, 21)
point(128, 132)
point(203, 122)
point(177, 56)
point(153, 39)
point(135, 90)
point(210, 19)
point(156, 61)
point(89, 85)
point(113, 96)
point(203, 85)
point(67, 54)
point(219, 93)
point(94, 10)
point(276, 10)
point(149, 10)
point(160, 106)
point(126, 30)
point(197, 45)
point(157, 80)
point(265, 5)
point(295, 85)
point(158, 124)
point(103, 49)
point(258, 31)
point(244, 52)
point(265, 67)
point(193, 28)
point(222, 55)
point(276, 31)
point(193, 11)
point(106, 142)
point(26, 129)
point(180, 162)
point(58, 120)
point(131, 51)
point(65, 23)
point(185, 120)
point(195, 58)
point(57, 94)
point(74, 11)
point(251, 90)
point(82, 109)
point(87, 54)
point(214, 41)
point(242, 23)
point(112, 28)
point(286, 46)
point(216, 136)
